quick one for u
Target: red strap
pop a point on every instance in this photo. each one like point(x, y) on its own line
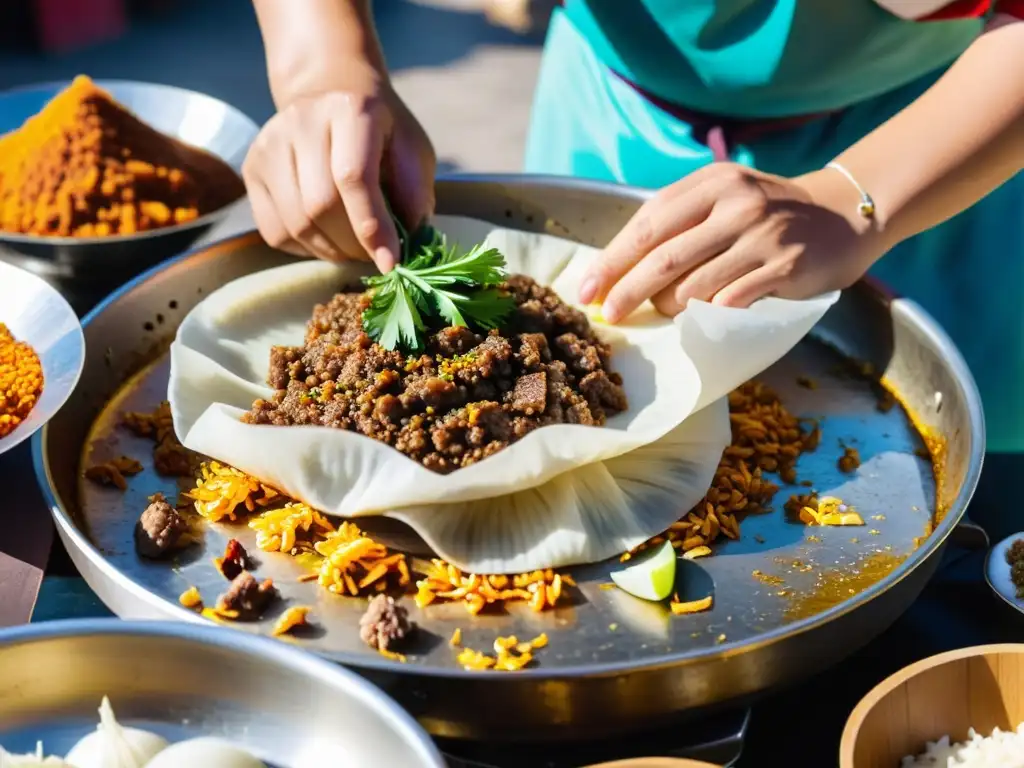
point(1013, 8)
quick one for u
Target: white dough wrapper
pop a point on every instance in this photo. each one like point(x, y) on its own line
point(671, 370)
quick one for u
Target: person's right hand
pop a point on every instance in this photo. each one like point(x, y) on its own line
point(315, 174)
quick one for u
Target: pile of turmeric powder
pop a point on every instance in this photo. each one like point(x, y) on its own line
point(21, 380)
point(86, 167)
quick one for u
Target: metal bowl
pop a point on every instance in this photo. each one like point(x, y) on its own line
point(38, 315)
point(287, 707)
point(193, 118)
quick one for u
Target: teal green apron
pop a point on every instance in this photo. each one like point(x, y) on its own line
point(771, 59)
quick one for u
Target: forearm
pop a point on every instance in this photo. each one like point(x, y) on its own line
point(959, 141)
point(313, 46)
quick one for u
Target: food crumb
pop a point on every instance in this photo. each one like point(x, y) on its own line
point(875, 532)
point(693, 554)
point(456, 640)
point(759, 538)
point(296, 616)
point(606, 586)
point(612, 627)
point(234, 560)
point(720, 639)
point(806, 382)
point(692, 606)
point(826, 511)
point(385, 624)
point(114, 472)
point(850, 460)
point(191, 598)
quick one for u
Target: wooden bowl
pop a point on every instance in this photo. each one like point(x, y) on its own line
point(980, 688)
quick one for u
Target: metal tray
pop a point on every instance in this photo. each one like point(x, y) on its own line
point(613, 663)
point(184, 681)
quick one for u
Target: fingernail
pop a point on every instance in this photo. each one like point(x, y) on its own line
point(588, 291)
point(384, 259)
point(610, 313)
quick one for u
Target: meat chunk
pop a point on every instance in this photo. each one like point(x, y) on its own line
point(530, 395)
point(160, 530)
point(602, 393)
point(246, 599)
point(385, 624)
point(234, 561)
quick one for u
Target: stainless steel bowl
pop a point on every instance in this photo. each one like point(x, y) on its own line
point(193, 118)
point(287, 707)
point(35, 313)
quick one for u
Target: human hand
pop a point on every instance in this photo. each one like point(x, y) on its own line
point(730, 235)
point(315, 173)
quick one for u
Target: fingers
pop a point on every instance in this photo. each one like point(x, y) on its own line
point(705, 282)
point(269, 224)
point(357, 146)
point(744, 291)
point(663, 217)
point(666, 264)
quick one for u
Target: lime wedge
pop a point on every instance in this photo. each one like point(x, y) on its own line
point(652, 578)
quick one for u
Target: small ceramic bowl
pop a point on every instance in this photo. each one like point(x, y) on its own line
point(980, 688)
point(39, 316)
point(997, 573)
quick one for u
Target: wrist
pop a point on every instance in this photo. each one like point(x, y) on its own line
point(305, 76)
point(831, 190)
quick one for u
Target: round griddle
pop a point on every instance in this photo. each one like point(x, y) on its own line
point(788, 600)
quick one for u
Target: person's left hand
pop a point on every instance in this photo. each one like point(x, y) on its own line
point(730, 235)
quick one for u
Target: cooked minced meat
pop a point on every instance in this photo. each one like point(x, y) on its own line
point(385, 624)
point(466, 397)
point(160, 530)
point(246, 599)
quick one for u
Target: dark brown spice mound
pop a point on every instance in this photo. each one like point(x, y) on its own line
point(1015, 558)
point(467, 397)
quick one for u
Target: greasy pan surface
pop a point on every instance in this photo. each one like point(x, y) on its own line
point(824, 595)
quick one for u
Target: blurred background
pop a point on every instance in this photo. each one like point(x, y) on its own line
point(466, 67)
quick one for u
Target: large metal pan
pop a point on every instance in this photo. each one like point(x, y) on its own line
point(614, 664)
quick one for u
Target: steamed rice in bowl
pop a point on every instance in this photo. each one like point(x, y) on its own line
point(1001, 749)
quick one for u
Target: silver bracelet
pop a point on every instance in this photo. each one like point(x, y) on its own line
point(866, 207)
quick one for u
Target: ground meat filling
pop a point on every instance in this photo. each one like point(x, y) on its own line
point(385, 624)
point(468, 396)
point(234, 560)
point(160, 530)
point(246, 599)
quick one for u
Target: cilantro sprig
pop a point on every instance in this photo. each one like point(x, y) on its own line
point(435, 284)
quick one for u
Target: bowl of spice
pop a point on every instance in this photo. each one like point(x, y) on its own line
point(101, 180)
point(42, 352)
point(1004, 570)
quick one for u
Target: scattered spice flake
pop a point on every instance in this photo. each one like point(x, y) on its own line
point(759, 538)
point(720, 639)
point(878, 517)
point(612, 627)
point(835, 585)
point(296, 616)
point(850, 460)
point(693, 606)
point(814, 539)
point(308, 577)
point(456, 640)
point(191, 598)
point(806, 382)
point(541, 589)
point(767, 578)
point(693, 554)
point(875, 532)
point(392, 655)
point(510, 655)
point(606, 586)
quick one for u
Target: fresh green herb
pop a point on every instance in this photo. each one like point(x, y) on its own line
point(435, 284)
